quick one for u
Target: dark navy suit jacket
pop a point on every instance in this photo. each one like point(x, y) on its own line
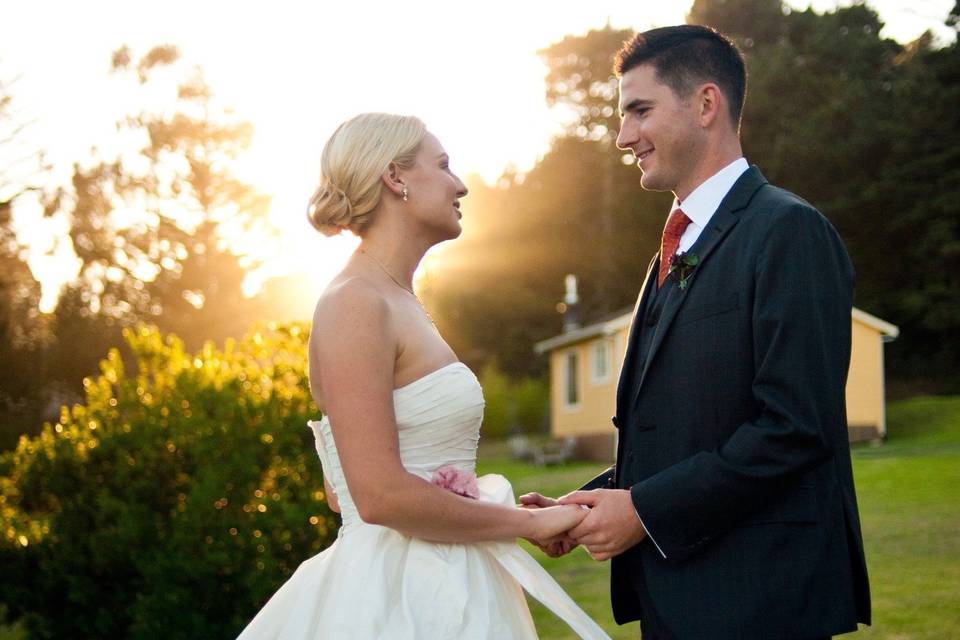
point(733, 432)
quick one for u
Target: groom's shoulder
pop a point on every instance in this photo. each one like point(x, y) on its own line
point(774, 197)
point(775, 205)
point(777, 215)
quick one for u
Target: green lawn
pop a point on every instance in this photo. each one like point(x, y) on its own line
point(909, 496)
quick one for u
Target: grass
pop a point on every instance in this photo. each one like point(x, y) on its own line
point(909, 497)
point(587, 581)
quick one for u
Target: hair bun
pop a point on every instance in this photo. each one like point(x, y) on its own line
point(330, 210)
point(351, 166)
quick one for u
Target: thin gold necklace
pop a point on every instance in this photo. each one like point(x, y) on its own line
point(389, 275)
point(401, 285)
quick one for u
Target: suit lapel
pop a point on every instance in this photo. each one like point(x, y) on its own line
point(626, 371)
point(725, 218)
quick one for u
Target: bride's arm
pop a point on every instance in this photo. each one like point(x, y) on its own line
point(354, 348)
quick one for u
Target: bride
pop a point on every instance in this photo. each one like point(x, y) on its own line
point(426, 549)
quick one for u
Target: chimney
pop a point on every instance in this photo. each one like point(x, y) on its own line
point(570, 307)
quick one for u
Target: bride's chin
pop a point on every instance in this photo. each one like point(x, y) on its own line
point(451, 232)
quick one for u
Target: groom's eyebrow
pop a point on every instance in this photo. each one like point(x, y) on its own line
point(634, 105)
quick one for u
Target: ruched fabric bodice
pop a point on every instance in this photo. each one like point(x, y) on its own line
point(438, 423)
point(375, 582)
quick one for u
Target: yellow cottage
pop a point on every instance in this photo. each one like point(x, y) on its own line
point(585, 366)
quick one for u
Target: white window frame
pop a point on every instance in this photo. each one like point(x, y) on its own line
point(606, 346)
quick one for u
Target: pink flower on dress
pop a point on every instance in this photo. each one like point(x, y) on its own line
point(463, 483)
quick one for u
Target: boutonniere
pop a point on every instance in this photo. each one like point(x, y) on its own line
point(683, 265)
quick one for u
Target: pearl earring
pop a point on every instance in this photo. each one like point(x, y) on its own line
point(405, 194)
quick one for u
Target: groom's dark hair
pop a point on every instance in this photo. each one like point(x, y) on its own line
point(687, 55)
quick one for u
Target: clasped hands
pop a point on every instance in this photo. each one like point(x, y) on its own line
point(610, 528)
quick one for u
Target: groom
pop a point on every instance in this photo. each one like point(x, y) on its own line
point(730, 511)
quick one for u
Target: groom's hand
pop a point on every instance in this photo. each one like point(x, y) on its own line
point(556, 547)
point(611, 527)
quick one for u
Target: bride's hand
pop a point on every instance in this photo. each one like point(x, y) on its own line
point(550, 522)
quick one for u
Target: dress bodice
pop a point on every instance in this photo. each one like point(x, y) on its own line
point(438, 420)
point(376, 583)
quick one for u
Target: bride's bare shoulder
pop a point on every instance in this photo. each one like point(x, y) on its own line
point(351, 302)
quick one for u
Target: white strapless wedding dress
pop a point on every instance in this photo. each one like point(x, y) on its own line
point(377, 583)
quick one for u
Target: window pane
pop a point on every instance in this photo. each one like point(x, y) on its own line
point(601, 359)
point(573, 395)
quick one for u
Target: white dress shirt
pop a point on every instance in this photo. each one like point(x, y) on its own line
point(704, 201)
point(700, 206)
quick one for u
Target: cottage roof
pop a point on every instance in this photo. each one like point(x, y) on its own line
point(610, 325)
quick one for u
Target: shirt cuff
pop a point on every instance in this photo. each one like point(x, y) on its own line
point(649, 535)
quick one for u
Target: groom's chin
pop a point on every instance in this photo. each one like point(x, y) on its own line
point(650, 183)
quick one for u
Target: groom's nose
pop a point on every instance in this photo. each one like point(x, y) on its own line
point(629, 134)
point(625, 137)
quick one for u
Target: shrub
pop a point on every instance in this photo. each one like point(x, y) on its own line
point(174, 500)
point(512, 405)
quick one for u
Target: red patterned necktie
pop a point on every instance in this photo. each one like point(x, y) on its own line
point(676, 225)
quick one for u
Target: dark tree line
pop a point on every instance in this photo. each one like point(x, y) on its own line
point(865, 128)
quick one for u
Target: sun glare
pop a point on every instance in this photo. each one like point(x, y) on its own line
point(296, 70)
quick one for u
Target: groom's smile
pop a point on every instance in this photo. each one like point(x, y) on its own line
point(656, 121)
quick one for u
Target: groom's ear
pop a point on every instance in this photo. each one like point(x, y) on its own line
point(709, 101)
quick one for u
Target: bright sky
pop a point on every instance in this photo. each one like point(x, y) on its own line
point(297, 69)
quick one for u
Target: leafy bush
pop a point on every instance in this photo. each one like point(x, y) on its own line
point(512, 405)
point(173, 501)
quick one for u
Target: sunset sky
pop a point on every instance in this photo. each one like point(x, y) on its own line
point(296, 69)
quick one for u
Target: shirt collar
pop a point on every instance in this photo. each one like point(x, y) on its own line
point(705, 199)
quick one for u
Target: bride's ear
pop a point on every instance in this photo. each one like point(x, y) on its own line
point(392, 180)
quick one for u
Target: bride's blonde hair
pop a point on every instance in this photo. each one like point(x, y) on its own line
point(354, 158)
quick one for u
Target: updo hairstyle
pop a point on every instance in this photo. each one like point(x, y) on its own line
point(353, 160)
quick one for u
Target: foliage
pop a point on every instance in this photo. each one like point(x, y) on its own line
point(149, 223)
point(750, 22)
point(867, 130)
point(917, 194)
point(864, 128)
point(575, 212)
point(23, 334)
point(512, 406)
point(174, 500)
point(580, 77)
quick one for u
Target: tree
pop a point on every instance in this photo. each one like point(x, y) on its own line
point(861, 126)
point(152, 225)
point(580, 210)
point(910, 245)
point(22, 330)
point(866, 129)
point(580, 78)
point(750, 22)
